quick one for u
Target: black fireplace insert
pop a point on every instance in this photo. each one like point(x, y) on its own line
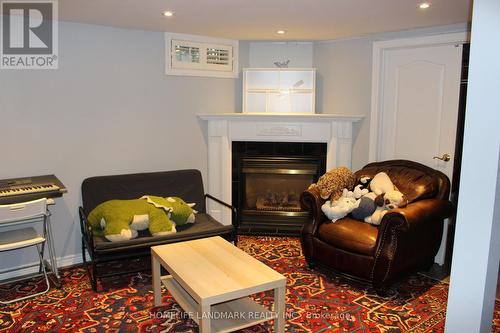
point(268, 179)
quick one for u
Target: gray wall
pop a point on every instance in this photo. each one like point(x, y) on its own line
point(243, 62)
point(108, 109)
point(265, 54)
point(343, 86)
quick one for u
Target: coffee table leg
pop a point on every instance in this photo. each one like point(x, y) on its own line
point(155, 267)
point(205, 318)
point(279, 308)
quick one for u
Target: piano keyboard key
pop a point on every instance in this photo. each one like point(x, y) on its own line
point(28, 189)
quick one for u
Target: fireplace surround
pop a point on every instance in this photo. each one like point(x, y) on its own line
point(225, 128)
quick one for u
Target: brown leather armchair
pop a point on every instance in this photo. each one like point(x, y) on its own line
point(406, 240)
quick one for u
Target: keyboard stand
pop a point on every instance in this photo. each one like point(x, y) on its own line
point(33, 218)
point(52, 266)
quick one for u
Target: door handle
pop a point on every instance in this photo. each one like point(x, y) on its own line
point(445, 157)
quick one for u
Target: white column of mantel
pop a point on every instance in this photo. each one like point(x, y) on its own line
point(339, 149)
point(219, 170)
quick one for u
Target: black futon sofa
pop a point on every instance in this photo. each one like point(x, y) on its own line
point(186, 184)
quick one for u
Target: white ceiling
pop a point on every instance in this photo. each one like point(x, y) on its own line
point(260, 19)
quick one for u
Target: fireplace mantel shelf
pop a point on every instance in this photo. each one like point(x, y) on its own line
point(224, 128)
point(280, 117)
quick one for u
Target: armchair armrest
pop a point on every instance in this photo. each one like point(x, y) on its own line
point(312, 202)
point(418, 213)
point(233, 209)
point(409, 237)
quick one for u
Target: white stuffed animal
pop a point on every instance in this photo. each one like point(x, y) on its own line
point(381, 183)
point(377, 216)
point(341, 207)
point(359, 191)
point(392, 199)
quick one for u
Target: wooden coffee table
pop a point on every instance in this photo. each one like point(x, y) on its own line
point(210, 279)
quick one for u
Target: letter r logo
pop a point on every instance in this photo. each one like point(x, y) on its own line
point(27, 27)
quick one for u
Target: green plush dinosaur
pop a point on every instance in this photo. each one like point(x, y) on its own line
point(119, 220)
point(180, 211)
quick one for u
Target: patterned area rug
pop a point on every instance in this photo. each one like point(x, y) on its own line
point(316, 302)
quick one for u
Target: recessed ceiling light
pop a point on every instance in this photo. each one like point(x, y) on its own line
point(281, 32)
point(168, 13)
point(424, 5)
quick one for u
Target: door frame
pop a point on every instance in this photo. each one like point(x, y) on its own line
point(379, 48)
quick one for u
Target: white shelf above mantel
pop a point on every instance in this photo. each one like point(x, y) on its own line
point(224, 128)
point(280, 117)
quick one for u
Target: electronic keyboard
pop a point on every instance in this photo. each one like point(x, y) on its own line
point(30, 188)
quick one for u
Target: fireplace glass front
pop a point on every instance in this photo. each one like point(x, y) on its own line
point(278, 189)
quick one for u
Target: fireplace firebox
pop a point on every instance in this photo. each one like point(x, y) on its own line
point(268, 179)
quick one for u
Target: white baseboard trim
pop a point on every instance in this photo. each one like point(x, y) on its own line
point(32, 268)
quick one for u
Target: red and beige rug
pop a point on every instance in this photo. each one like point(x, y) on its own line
point(316, 302)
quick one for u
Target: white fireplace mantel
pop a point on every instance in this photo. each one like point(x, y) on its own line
point(224, 128)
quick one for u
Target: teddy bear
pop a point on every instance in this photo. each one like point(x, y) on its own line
point(119, 220)
point(339, 208)
point(332, 183)
point(390, 200)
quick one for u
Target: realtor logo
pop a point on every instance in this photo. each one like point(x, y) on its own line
point(29, 35)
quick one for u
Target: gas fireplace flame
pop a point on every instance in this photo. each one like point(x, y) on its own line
point(278, 201)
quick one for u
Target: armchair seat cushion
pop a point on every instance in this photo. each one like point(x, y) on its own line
point(350, 235)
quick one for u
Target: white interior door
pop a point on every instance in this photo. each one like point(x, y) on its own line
point(420, 89)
